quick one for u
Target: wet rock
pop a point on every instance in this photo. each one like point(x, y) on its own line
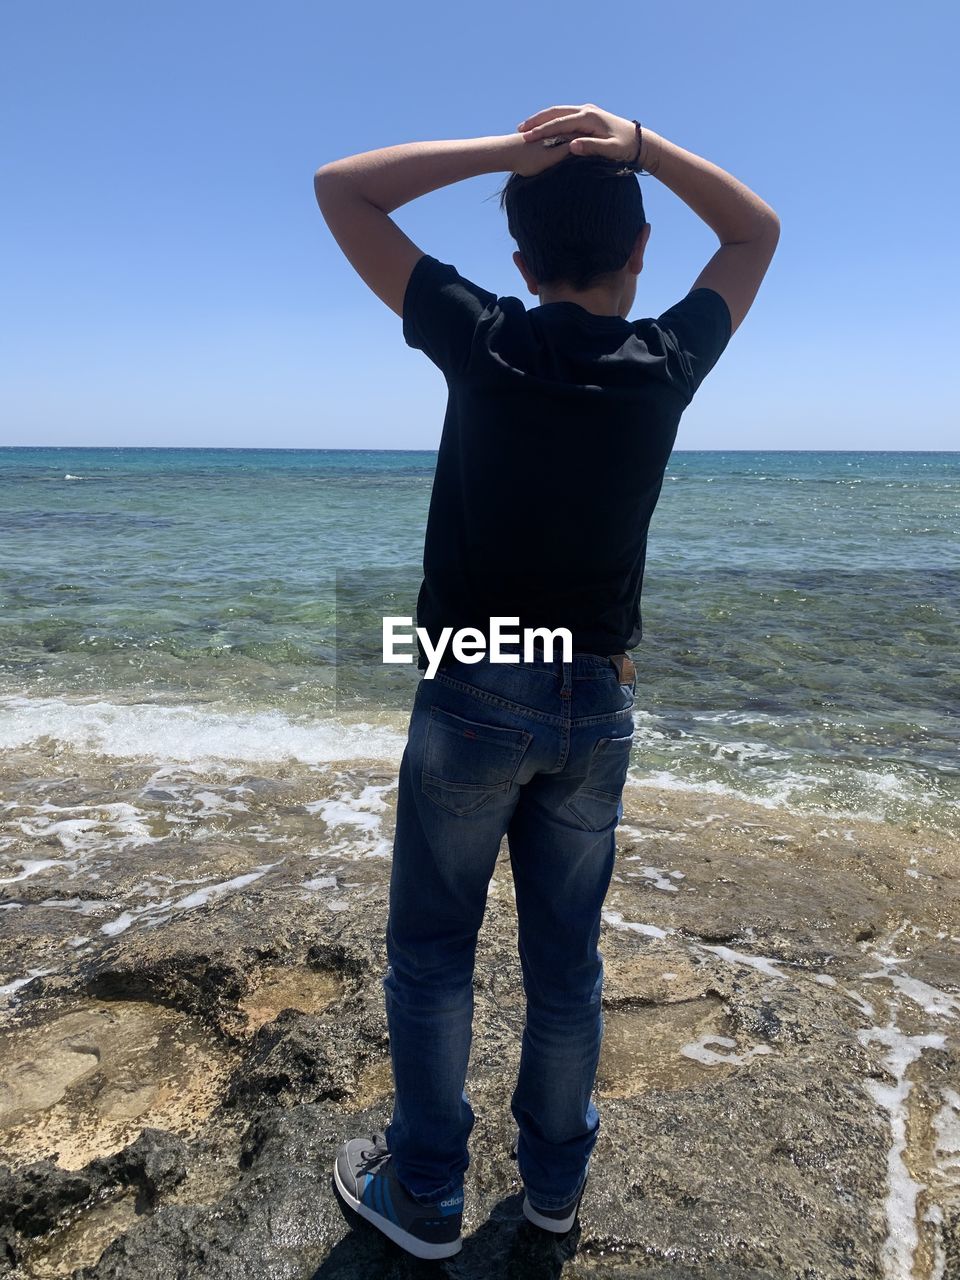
point(85, 1082)
point(280, 987)
point(295, 1058)
point(35, 1198)
point(778, 1083)
point(155, 1163)
point(38, 1199)
point(197, 983)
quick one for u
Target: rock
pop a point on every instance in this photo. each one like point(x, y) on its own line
point(778, 1083)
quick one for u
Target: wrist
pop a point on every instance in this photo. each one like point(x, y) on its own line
point(649, 159)
point(507, 148)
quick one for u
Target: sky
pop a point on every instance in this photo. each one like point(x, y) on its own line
point(169, 280)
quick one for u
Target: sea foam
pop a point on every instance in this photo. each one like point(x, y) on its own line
point(191, 734)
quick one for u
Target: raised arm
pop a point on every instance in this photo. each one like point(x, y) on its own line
point(357, 194)
point(747, 228)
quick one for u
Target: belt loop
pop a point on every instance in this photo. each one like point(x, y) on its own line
point(566, 678)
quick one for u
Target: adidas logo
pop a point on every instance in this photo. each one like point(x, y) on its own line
point(449, 1204)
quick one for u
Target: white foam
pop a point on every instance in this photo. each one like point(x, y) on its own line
point(775, 798)
point(81, 906)
point(192, 734)
point(213, 802)
point(360, 814)
point(938, 1270)
point(930, 999)
point(357, 811)
point(127, 918)
point(320, 882)
point(864, 1006)
point(763, 963)
point(792, 790)
point(343, 813)
point(203, 896)
point(900, 1247)
point(616, 921)
point(32, 867)
point(657, 876)
point(946, 1125)
point(636, 834)
point(887, 784)
point(10, 987)
point(703, 822)
point(745, 752)
point(738, 717)
point(123, 823)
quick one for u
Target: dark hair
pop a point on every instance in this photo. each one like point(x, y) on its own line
point(576, 221)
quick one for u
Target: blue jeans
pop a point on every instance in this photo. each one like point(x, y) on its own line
point(537, 751)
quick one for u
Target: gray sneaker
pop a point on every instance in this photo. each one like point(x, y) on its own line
point(559, 1221)
point(366, 1180)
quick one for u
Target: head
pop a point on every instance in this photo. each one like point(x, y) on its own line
point(581, 232)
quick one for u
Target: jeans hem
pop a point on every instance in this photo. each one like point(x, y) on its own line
point(432, 1198)
point(554, 1202)
point(453, 1186)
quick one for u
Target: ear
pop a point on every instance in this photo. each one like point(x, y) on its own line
point(635, 261)
point(524, 270)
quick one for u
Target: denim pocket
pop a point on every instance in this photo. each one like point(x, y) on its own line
point(596, 802)
point(465, 763)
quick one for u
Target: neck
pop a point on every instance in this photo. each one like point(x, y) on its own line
point(600, 302)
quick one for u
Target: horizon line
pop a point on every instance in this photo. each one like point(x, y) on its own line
point(237, 448)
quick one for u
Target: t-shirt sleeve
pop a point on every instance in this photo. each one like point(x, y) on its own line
point(698, 328)
point(440, 313)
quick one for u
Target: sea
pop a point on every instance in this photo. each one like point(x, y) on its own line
point(192, 606)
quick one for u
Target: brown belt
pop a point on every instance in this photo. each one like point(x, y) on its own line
point(623, 665)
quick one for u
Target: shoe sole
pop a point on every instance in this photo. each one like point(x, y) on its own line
point(412, 1244)
point(559, 1226)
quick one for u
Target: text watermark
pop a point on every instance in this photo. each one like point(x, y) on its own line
point(469, 644)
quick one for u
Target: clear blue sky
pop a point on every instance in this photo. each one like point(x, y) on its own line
point(168, 278)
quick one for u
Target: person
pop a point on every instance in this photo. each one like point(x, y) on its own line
point(559, 424)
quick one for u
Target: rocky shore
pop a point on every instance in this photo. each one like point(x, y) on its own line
point(192, 1022)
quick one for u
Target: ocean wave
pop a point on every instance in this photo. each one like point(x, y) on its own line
point(206, 735)
point(851, 793)
point(192, 735)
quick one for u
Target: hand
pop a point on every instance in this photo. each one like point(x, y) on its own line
point(590, 131)
point(529, 160)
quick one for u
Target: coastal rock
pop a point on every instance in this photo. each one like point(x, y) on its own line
point(778, 1084)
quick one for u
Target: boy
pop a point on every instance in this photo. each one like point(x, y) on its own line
point(559, 424)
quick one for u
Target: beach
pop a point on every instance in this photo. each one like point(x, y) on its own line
point(200, 746)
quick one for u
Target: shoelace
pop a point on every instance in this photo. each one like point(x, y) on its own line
point(373, 1157)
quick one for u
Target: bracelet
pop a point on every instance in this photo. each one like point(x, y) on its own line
point(634, 164)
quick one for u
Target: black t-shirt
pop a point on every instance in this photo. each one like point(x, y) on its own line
point(558, 428)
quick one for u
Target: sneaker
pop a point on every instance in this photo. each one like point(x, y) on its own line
point(366, 1180)
point(559, 1221)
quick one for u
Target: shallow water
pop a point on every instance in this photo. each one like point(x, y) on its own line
point(800, 615)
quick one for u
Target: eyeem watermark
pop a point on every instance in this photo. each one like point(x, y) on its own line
point(470, 644)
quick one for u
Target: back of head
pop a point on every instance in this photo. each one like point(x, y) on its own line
point(575, 222)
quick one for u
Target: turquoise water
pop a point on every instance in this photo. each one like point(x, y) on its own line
point(801, 614)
